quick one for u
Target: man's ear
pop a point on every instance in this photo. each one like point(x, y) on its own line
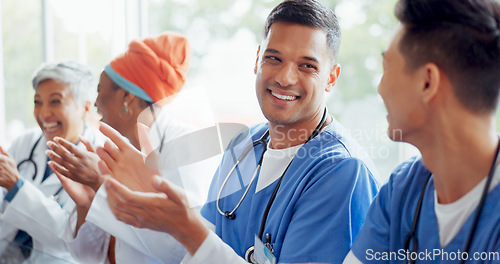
point(431, 82)
point(256, 60)
point(333, 77)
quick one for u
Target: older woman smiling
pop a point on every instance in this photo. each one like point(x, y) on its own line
point(32, 218)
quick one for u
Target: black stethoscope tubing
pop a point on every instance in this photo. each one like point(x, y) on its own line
point(30, 160)
point(230, 214)
point(412, 235)
point(263, 142)
point(275, 191)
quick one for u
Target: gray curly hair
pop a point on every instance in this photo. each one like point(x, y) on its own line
point(79, 77)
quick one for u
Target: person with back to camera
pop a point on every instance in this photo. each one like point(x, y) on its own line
point(440, 86)
point(35, 207)
point(300, 193)
point(149, 74)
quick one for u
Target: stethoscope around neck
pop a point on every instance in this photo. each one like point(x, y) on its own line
point(412, 235)
point(231, 214)
point(29, 161)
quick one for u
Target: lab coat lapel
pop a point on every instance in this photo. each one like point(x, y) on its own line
point(50, 185)
point(40, 159)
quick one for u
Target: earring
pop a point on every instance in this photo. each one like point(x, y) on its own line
point(127, 112)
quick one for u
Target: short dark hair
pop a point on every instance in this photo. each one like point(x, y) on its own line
point(462, 37)
point(308, 13)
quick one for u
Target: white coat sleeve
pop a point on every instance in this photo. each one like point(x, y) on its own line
point(3, 203)
point(91, 244)
point(158, 245)
point(351, 259)
point(214, 251)
point(40, 216)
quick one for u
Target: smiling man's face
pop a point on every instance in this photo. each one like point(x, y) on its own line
point(294, 70)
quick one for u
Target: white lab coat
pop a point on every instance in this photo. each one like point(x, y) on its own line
point(33, 209)
point(135, 245)
point(92, 243)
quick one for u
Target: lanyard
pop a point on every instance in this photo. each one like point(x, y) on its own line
point(262, 141)
point(412, 235)
point(231, 214)
point(275, 191)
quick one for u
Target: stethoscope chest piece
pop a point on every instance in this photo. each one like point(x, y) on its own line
point(229, 215)
point(249, 255)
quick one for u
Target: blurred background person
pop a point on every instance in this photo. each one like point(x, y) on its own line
point(150, 72)
point(36, 208)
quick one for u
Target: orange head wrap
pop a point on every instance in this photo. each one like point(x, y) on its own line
point(154, 68)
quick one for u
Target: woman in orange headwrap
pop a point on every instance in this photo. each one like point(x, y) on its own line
point(150, 72)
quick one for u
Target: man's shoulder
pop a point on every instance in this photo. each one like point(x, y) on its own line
point(338, 136)
point(335, 144)
point(245, 134)
point(256, 131)
point(408, 169)
point(408, 178)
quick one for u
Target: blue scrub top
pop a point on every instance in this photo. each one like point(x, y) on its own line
point(319, 208)
point(381, 240)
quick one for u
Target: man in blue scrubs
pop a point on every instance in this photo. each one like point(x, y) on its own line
point(308, 200)
point(440, 86)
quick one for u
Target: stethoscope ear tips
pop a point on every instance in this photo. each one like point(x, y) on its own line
point(229, 215)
